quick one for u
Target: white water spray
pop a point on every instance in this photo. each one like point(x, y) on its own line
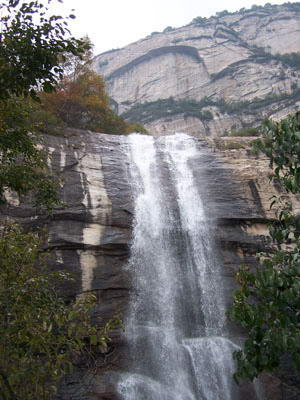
point(175, 330)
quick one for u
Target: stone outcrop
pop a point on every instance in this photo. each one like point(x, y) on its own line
point(88, 236)
point(230, 59)
point(91, 235)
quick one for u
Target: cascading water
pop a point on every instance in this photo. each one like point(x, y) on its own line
point(175, 329)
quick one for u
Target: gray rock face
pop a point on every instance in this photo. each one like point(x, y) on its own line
point(91, 235)
point(229, 58)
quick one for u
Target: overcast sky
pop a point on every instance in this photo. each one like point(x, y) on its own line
point(116, 23)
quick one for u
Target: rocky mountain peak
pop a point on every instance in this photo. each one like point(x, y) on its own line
point(213, 75)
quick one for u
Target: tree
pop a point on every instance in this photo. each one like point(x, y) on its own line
point(23, 166)
point(199, 20)
point(80, 101)
point(42, 335)
point(267, 303)
point(32, 47)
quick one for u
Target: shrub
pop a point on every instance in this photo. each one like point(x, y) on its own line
point(250, 131)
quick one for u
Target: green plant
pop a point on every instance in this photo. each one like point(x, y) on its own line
point(32, 47)
point(267, 303)
point(228, 144)
point(79, 101)
point(168, 29)
point(42, 335)
point(250, 131)
point(199, 20)
point(290, 59)
point(23, 166)
point(151, 111)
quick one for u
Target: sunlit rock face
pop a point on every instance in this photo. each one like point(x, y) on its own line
point(230, 60)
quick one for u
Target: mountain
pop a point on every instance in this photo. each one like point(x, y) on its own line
point(212, 76)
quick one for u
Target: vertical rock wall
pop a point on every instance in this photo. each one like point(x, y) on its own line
point(90, 236)
point(231, 59)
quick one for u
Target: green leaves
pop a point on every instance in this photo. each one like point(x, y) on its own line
point(41, 336)
point(267, 304)
point(31, 45)
point(23, 166)
point(281, 143)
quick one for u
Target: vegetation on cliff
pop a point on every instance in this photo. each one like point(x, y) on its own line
point(80, 101)
point(41, 334)
point(164, 108)
point(45, 86)
point(268, 7)
point(288, 59)
point(267, 303)
point(30, 61)
point(244, 132)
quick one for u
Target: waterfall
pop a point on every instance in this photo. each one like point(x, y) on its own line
point(178, 345)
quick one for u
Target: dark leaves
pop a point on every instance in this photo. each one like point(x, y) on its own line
point(267, 304)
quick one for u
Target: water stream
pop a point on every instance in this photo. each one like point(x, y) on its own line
point(175, 330)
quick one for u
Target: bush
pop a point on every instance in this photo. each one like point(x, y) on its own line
point(250, 131)
point(199, 20)
point(80, 103)
point(151, 111)
point(42, 335)
point(267, 303)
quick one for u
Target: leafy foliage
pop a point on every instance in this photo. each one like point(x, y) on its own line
point(151, 111)
point(248, 131)
point(199, 20)
point(37, 56)
point(23, 165)
point(162, 108)
point(281, 143)
point(267, 304)
point(291, 59)
point(292, 6)
point(42, 336)
point(168, 29)
point(254, 8)
point(32, 46)
point(80, 101)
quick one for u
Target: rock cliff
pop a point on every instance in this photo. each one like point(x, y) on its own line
point(91, 235)
point(212, 75)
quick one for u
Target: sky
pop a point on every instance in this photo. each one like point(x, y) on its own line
point(113, 24)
